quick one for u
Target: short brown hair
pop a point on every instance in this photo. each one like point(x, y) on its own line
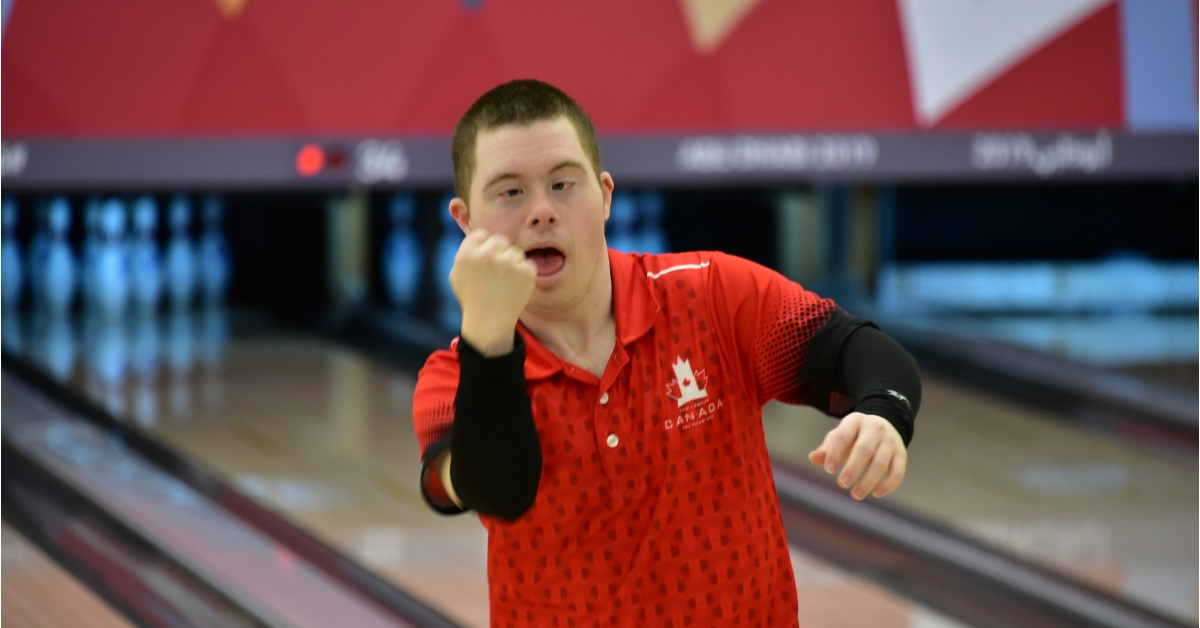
point(522, 102)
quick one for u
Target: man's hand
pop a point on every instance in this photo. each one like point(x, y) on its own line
point(864, 441)
point(493, 281)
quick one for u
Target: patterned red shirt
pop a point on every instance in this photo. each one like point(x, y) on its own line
point(656, 504)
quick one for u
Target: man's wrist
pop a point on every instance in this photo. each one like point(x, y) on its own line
point(490, 343)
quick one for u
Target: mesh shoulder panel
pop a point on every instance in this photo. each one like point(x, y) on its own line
point(433, 399)
point(774, 320)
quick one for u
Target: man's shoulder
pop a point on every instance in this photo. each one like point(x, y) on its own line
point(715, 269)
point(441, 366)
point(687, 266)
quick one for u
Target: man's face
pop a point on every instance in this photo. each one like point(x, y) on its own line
point(535, 184)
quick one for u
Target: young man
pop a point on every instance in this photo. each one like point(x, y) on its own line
point(602, 411)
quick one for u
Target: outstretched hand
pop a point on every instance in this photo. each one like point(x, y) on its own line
point(864, 442)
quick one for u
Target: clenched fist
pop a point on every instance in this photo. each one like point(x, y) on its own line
point(493, 281)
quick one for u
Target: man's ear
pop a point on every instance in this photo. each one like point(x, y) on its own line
point(606, 188)
point(462, 215)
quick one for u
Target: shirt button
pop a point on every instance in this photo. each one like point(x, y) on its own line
point(613, 440)
point(604, 399)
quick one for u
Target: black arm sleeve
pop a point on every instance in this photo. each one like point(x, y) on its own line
point(880, 378)
point(819, 374)
point(496, 458)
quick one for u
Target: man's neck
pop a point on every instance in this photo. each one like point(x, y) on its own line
point(583, 333)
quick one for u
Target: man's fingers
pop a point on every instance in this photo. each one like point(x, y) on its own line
point(838, 442)
point(895, 474)
point(475, 238)
point(493, 246)
point(879, 465)
point(861, 454)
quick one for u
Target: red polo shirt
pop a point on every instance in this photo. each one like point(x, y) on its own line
point(656, 504)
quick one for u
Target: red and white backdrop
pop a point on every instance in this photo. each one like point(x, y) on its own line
point(1072, 83)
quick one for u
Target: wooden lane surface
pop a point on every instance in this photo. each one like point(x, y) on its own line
point(325, 437)
point(1112, 515)
point(38, 593)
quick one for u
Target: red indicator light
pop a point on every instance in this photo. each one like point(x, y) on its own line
point(336, 159)
point(310, 160)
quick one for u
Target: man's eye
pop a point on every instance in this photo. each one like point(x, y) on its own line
point(510, 192)
point(561, 185)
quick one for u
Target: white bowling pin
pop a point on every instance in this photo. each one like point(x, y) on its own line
point(622, 215)
point(145, 267)
point(37, 255)
point(213, 253)
point(181, 255)
point(144, 360)
point(58, 348)
point(10, 259)
point(180, 356)
point(108, 362)
point(58, 271)
point(403, 255)
point(144, 346)
point(110, 274)
point(87, 253)
point(449, 313)
point(213, 338)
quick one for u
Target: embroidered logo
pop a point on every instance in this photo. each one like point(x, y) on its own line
point(686, 386)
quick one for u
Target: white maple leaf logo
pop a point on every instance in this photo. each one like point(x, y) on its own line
point(688, 385)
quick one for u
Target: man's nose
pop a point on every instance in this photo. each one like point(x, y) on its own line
point(543, 212)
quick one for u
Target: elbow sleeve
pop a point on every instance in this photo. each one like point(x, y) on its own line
point(881, 378)
point(496, 458)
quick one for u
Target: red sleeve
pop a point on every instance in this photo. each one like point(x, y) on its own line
point(433, 413)
point(433, 399)
point(772, 321)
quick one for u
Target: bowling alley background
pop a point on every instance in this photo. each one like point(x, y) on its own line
point(247, 192)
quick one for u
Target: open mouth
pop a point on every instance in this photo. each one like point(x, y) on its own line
point(548, 260)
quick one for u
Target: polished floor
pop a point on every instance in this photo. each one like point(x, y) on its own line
point(1085, 504)
point(325, 437)
point(38, 593)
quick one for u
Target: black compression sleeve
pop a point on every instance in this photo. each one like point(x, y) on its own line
point(881, 378)
point(819, 374)
point(496, 458)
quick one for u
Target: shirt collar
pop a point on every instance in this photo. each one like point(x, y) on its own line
point(634, 307)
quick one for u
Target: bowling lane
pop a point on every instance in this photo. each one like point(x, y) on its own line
point(1117, 517)
point(38, 593)
point(325, 437)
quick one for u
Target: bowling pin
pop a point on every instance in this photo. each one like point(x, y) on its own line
point(87, 253)
point(145, 267)
point(403, 255)
point(181, 255)
point(37, 255)
point(622, 215)
point(110, 274)
point(654, 238)
point(213, 254)
point(10, 260)
point(449, 314)
point(144, 362)
point(58, 348)
point(180, 355)
point(108, 359)
point(58, 269)
point(213, 338)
